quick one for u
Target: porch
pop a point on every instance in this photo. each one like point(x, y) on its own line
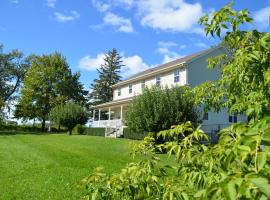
point(111, 116)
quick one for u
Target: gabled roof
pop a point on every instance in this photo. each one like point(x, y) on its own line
point(161, 68)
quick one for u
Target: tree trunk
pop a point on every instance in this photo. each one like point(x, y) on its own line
point(43, 125)
point(69, 131)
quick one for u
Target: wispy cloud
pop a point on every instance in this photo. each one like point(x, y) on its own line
point(100, 6)
point(166, 50)
point(14, 1)
point(119, 23)
point(61, 17)
point(51, 3)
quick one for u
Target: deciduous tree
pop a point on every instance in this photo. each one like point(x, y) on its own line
point(49, 82)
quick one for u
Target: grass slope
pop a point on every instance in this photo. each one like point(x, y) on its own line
point(45, 166)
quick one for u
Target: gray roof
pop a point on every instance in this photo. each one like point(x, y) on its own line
point(174, 62)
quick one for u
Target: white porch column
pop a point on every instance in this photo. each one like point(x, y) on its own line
point(94, 115)
point(121, 114)
point(109, 113)
point(99, 117)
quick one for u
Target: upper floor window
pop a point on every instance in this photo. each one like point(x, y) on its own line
point(119, 91)
point(129, 88)
point(143, 84)
point(158, 80)
point(233, 118)
point(176, 75)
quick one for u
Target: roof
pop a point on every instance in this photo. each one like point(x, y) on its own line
point(114, 102)
point(164, 66)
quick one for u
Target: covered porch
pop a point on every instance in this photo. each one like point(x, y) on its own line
point(111, 114)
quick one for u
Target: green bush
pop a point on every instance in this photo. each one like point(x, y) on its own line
point(159, 108)
point(129, 134)
point(94, 131)
point(26, 128)
point(79, 129)
point(69, 115)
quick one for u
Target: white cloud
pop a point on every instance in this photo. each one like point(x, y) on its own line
point(165, 49)
point(101, 7)
point(170, 15)
point(90, 63)
point(51, 3)
point(132, 64)
point(60, 17)
point(262, 18)
point(119, 23)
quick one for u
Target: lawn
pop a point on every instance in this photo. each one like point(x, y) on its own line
point(45, 166)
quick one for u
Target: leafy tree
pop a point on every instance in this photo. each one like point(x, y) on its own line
point(160, 108)
point(244, 86)
point(69, 115)
point(108, 76)
point(49, 82)
point(13, 67)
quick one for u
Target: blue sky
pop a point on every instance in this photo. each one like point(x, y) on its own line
point(145, 32)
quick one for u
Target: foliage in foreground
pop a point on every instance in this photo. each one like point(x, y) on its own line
point(159, 108)
point(69, 115)
point(244, 86)
point(237, 167)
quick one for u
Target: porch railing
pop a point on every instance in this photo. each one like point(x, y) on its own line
point(107, 123)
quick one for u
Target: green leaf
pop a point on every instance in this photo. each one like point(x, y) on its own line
point(262, 184)
point(261, 160)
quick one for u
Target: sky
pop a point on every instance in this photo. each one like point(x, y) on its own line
point(145, 32)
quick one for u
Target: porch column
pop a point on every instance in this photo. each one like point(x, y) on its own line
point(121, 113)
point(94, 115)
point(99, 117)
point(109, 113)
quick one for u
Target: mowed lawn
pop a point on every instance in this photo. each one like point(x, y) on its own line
point(46, 166)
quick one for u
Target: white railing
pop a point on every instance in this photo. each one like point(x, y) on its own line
point(107, 123)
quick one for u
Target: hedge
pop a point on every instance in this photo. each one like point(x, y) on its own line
point(132, 135)
point(26, 128)
point(94, 131)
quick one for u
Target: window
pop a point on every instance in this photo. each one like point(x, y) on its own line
point(233, 118)
point(176, 75)
point(143, 84)
point(129, 88)
point(158, 80)
point(119, 91)
point(205, 116)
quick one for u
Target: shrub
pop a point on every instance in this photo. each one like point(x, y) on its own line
point(79, 129)
point(159, 108)
point(94, 131)
point(129, 134)
point(69, 115)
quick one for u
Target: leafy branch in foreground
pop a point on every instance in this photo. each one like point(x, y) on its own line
point(237, 167)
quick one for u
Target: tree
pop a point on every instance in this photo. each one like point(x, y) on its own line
point(108, 76)
point(159, 108)
point(48, 83)
point(244, 86)
point(69, 115)
point(13, 67)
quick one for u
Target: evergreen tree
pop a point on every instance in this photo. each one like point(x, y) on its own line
point(108, 76)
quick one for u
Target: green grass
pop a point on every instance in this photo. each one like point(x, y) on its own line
point(45, 166)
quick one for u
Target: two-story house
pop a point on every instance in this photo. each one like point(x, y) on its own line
point(191, 70)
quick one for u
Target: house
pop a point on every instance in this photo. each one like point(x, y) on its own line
point(191, 70)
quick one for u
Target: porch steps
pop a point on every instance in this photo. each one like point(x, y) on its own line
point(114, 132)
